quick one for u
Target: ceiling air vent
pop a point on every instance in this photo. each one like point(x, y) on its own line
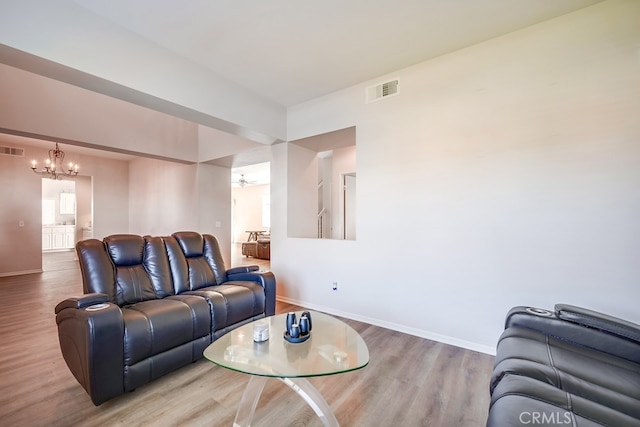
point(383, 90)
point(12, 151)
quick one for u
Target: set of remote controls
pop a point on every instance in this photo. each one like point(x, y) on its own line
point(298, 330)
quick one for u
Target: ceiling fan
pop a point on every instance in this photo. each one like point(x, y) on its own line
point(242, 181)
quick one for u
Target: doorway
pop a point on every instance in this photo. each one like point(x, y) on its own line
point(251, 214)
point(67, 217)
point(58, 215)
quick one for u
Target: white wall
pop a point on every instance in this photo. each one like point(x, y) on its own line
point(325, 172)
point(302, 191)
point(343, 162)
point(503, 174)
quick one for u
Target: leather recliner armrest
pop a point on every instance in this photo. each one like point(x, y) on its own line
point(91, 335)
point(82, 301)
point(243, 269)
point(265, 278)
point(599, 321)
point(550, 323)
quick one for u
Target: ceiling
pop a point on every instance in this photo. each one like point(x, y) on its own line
point(291, 51)
point(258, 174)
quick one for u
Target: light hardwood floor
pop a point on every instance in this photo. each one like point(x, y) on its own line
point(409, 381)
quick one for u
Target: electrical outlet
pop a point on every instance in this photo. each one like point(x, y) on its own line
point(334, 286)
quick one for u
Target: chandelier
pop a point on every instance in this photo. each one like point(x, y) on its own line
point(54, 166)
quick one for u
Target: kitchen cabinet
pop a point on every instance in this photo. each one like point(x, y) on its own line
point(70, 237)
point(58, 237)
point(46, 239)
point(67, 203)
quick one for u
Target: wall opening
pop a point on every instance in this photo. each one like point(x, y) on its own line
point(317, 167)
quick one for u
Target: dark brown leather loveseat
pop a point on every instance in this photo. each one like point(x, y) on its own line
point(152, 305)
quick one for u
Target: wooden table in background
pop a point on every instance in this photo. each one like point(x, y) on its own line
point(253, 234)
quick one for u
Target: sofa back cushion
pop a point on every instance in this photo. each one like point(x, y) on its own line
point(128, 268)
point(141, 268)
point(98, 273)
point(195, 260)
point(156, 263)
point(132, 282)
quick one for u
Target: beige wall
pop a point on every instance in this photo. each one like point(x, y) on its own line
point(167, 197)
point(35, 104)
point(143, 196)
point(21, 247)
point(84, 214)
point(163, 197)
point(110, 181)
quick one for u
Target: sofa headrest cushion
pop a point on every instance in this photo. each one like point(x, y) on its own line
point(191, 243)
point(125, 249)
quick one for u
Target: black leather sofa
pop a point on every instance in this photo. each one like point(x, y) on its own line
point(152, 305)
point(572, 366)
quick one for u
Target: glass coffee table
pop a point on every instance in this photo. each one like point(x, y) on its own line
point(332, 348)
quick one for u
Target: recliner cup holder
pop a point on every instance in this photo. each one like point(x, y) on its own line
point(97, 307)
point(539, 312)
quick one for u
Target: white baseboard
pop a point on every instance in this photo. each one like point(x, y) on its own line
point(396, 327)
point(20, 273)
